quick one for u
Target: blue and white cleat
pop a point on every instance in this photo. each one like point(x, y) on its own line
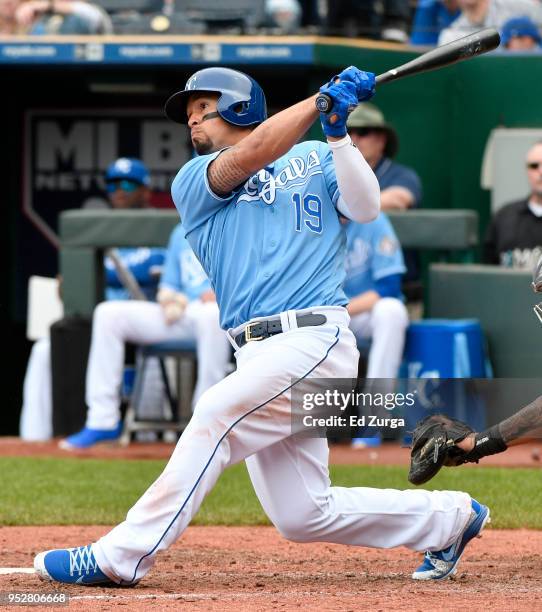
point(70, 566)
point(442, 563)
point(89, 437)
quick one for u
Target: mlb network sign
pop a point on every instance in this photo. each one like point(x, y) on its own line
point(67, 152)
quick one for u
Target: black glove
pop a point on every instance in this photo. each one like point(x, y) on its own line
point(434, 445)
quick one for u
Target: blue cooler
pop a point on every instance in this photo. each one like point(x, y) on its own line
point(445, 349)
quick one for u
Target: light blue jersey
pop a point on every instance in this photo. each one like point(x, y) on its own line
point(143, 262)
point(373, 252)
point(182, 270)
point(276, 243)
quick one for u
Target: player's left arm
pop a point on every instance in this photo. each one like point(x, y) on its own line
point(357, 184)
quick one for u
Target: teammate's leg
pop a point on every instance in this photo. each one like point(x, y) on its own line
point(388, 323)
point(36, 422)
point(385, 325)
point(213, 348)
point(115, 323)
point(292, 482)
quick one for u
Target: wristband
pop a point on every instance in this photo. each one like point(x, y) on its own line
point(488, 442)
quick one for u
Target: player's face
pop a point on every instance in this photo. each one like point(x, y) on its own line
point(207, 135)
point(534, 170)
point(124, 194)
point(521, 43)
point(8, 8)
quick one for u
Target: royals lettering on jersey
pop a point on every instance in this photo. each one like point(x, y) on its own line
point(372, 253)
point(276, 243)
point(182, 270)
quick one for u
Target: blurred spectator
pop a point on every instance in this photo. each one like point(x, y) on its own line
point(8, 22)
point(478, 14)
point(430, 18)
point(378, 142)
point(400, 185)
point(38, 17)
point(127, 183)
point(520, 34)
point(310, 15)
point(514, 235)
point(386, 19)
point(283, 14)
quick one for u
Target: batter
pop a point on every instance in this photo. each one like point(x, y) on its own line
point(262, 215)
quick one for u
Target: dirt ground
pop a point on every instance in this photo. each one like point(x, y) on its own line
point(242, 569)
point(254, 568)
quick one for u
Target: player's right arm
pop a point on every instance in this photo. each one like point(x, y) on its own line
point(265, 144)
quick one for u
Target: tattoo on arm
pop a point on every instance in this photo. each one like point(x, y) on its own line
point(225, 174)
point(524, 423)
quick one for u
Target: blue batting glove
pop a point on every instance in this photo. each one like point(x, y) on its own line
point(345, 100)
point(364, 82)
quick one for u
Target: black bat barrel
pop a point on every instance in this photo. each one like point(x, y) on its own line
point(455, 51)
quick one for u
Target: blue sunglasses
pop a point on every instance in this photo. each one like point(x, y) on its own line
point(124, 184)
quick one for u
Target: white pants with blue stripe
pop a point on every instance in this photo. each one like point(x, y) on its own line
point(247, 416)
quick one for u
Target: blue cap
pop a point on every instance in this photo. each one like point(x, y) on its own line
point(520, 26)
point(128, 168)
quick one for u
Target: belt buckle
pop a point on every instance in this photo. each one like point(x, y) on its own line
point(248, 332)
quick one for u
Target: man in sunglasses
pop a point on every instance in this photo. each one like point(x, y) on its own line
point(514, 235)
point(127, 183)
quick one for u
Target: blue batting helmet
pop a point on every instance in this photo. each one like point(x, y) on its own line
point(241, 100)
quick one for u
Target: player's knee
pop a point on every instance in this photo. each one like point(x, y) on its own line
point(106, 311)
point(391, 311)
point(296, 528)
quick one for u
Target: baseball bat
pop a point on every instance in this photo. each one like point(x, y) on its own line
point(455, 51)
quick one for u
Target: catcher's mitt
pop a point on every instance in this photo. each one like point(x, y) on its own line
point(434, 445)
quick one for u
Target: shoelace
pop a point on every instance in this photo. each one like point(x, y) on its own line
point(82, 560)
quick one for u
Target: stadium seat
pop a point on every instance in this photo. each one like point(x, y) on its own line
point(179, 403)
point(130, 6)
point(155, 23)
point(243, 13)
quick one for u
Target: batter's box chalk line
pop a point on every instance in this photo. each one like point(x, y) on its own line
point(4, 571)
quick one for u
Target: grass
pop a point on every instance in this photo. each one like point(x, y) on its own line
point(50, 491)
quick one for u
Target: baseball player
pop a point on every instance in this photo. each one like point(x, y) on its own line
point(374, 268)
point(262, 215)
point(185, 309)
point(439, 440)
point(127, 183)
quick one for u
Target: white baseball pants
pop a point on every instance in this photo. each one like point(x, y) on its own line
point(386, 325)
point(117, 322)
point(36, 422)
point(247, 416)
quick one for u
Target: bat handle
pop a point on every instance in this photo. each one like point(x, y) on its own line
point(324, 103)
